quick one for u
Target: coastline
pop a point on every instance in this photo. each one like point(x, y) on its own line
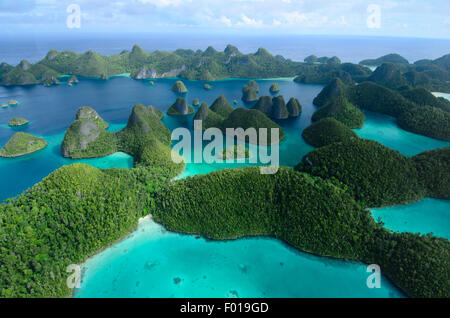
point(84, 265)
point(294, 249)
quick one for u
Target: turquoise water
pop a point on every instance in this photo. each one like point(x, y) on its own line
point(31, 168)
point(248, 267)
point(426, 216)
point(384, 129)
point(155, 263)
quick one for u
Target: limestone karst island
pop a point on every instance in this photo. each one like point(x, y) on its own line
point(224, 156)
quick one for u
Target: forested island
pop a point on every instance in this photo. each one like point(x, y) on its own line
point(210, 65)
point(222, 115)
point(21, 144)
point(17, 121)
point(416, 109)
point(319, 207)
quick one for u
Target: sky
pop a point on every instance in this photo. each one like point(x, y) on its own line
point(405, 18)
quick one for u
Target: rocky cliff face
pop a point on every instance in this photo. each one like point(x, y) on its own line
point(146, 73)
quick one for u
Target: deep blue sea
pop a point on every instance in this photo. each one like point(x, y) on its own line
point(152, 262)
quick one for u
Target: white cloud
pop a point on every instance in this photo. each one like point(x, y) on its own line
point(226, 21)
point(162, 3)
point(246, 21)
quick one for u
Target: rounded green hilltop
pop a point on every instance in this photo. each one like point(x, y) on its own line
point(22, 144)
point(18, 121)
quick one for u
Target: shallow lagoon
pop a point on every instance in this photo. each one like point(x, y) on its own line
point(155, 263)
point(227, 265)
point(426, 216)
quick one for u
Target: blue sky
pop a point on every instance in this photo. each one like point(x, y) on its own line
point(414, 18)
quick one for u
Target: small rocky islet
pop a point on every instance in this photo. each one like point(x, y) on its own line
point(21, 144)
point(17, 121)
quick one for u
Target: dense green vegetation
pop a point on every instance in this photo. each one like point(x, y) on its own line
point(276, 107)
point(250, 92)
point(179, 87)
point(212, 65)
point(180, 107)
point(294, 107)
point(222, 107)
point(87, 136)
point(209, 118)
point(327, 131)
point(423, 97)
point(17, 121)
point(73, 213)
point(252, 118)
point(205, 65)
point(433, 167)
point(279, 109)
point(78, 210)
point(274, 88)
point(377, 98)
point(389, 76)
point(21, 144)
point(426, 120)
point(395, 72)
point(334, 89)
point(235, 203)
point(375, 175)
point(389, 58)
point(311, 59)
point(342, 110)
point(325, 73)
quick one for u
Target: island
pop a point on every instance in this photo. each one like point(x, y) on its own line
point(209, 118)
point(376, 175)
point(309, 213)
point(4, 105)
point(87, 136)
point(235, 152)
point(212, 65)
point(98, 207)
point(72, 80)
point(196, 102)
point(276, 107)
point(274, 88)
point(250, 92)
point(327, 131)
point(222, 107)
point(294, 107)
point(22, 144)
point(207, 87)
point(213, 117)
point(411, 112)
point(389, 58)
point(342, 110)
point(13, 102)
point(17, 121)
point(179, 87)
point(253, 118)
point(180, 107)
